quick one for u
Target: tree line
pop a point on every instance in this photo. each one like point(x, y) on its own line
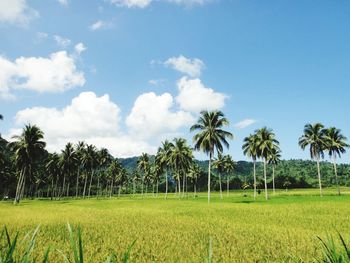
point(82, 170)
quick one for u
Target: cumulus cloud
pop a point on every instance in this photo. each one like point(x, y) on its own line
point(153, 115)
point(56, 73)
point(244, 124)
point(190, 67)
point(61, 41)
point(194, 96)
point(79, 48)
point(16, 12)
point(98, 25)
point(85, 119)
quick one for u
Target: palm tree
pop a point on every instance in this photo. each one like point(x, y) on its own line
point(53, 171)
point(103, 159)
point(79, 149)
point(68, 162)
point(250, 149)
point(335, 145)
point(113, 172)
point(314, 137)
point(219, 165)
point(163, 160)
point(266, 142)
point(211, 136)
point(28, 148)
point(194, 173)
point(181, 158)
point(143, 165)
point(89, 161)
point(229, 166)
point(274, 159)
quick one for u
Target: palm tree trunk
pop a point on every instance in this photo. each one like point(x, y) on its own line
point(63, 186)
point(142, 184)
point(166, 184)
point(157, 188)
point(85, 183)
point(92, 175)
point(265, 179)
point(68, 189)
point(273, 179)
point(179, 185)
point(195, 188)
point(228, 186)
point(77, 184)
point(133, 187)
point(220, 186)
point(98, 186)
point(319, 176)
point(209, 173)
point(18, 188)
point(254, 175)
point(336, 173)
point(183, 185)
point(52, 188)
point(120, 187)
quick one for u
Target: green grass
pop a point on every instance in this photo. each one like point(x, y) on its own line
point(176, 230)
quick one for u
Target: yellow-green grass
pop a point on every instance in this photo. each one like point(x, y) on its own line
point(176, 230)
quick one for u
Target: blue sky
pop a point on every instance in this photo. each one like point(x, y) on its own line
point(279, 64)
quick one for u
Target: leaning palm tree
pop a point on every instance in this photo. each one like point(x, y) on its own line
point(335, 145)
point(314, 137)
point(266, 142)
point(27, 149)
point(274, 159)
point(163, 161)
point(211, 136)
point(181, 158)
point(250, 149)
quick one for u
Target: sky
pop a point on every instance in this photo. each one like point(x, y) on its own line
point(128, 74)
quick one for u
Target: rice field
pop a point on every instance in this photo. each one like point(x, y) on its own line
point(280, 230)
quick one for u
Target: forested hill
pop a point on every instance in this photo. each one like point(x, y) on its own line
point(294, 173)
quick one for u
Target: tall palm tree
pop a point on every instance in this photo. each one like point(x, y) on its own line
point(250, 149)
point(181, 158)
point(266, 143)
point(194, 173)
point(274, 158)
point(219, 165)
point(28, 148)
point(314, 137)
point(113, 172)
point(103, 159)
point(79, 149)
point(143, 164)
point(211, 136)
point(89, 162)
point(336, 146)
point(68, 162)
point(163, 161)
point(229, 166)
point(52, 168)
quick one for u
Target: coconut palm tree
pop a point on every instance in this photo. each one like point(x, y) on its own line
point(181, 158)
point(250, 149)
point(143, 164)
point(194, 173)
point(103, 159)
point(53, 171)
point(89, 162)
point(28, 148)
point(273, 159)
point(68, 162)
point(79, 149)
point(336, 146)
point(211, 136)
point(113, 172)
point(266, 142)
point(229, 166)
point(314, 137)
point(219, 165)
point(163, 160)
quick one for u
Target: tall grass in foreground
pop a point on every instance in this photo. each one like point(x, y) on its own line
point(11, 251)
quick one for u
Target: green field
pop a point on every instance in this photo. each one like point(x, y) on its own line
point(176, 230)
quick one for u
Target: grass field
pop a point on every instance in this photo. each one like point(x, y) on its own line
point(176, 230)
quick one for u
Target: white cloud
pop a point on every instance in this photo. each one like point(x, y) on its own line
point(79, 48)
point(98, 25)
point(85, 119)
point(153, 116)
point(131, 3)
point(16, 12)
point(194, 96)
point(63, 2)
point(61, 41)
point(244, 124)
point(156, 82)
point(56, 73)
point(41, 35)
point(189, 2)
point(190, 67)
